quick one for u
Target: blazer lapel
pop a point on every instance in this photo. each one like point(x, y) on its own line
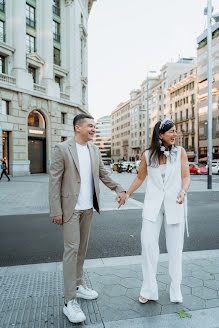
point(74, 154)
point(92, 157)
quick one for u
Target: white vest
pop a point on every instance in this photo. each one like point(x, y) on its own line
point(159, 191)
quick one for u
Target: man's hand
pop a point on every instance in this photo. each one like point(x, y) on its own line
point(121, 198)
point(57, 219)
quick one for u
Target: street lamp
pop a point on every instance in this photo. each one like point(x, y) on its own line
point(208, 12)
point(150, 72)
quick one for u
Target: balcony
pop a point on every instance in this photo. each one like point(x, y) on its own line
point(56, 37)
point(30, 22)
point(7, 79)
point(39, 88)
point(64, 96)
point(56, 10)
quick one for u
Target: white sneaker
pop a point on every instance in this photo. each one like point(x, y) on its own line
point(73, 312)
point(86, 293)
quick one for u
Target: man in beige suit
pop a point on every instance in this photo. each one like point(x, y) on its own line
point(73, 192)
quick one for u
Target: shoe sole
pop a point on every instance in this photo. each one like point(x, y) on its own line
point(84, 297)
point(70, 318)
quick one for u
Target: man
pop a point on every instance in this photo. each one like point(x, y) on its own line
point(74, 190)
point(4, 169)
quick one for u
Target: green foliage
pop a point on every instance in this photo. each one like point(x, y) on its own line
point(183, 314)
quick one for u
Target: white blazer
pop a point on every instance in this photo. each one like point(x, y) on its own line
point(159, 191)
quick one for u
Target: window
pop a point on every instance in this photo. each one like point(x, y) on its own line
point(33, 72)
point(187, 113)
point(2, 64)
point(193, 126)
point(58, 80)
point(180, 116)
point(56, 7)
point(57, 56)
point(63, 118)
point(30, 16)
point(83, 95)
point(175, 117)
point(193, 112)
point(193, 142)
point(187, 127)
point(2, 5)
point(56, 31)
point(192, 99)
point(30, 43)
point(186, 143)
point(2, 31)
point(5, 107)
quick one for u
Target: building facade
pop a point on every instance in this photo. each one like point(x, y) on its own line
point(183, 110)
point(203, 92)
point(43, 78)
point(102, 138)
point(120, 130)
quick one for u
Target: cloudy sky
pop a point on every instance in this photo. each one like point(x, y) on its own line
point(129, 37)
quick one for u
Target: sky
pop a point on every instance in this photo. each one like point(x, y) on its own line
point(127, 38)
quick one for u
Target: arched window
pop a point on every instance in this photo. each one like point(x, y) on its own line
point(36, 120)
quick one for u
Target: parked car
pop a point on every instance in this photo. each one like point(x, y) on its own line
point(119, 167)
point(215, 167)
point(137, 165)
point(198, 168)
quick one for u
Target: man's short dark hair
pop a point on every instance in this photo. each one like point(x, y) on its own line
point(78, 119)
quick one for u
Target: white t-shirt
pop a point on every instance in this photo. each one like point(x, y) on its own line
point(85, 198)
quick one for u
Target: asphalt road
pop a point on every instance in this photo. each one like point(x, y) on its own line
point(34, 239)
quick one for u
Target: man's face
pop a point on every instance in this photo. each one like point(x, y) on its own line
point(86, 129)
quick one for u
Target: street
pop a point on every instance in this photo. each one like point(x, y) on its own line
point(34, 239)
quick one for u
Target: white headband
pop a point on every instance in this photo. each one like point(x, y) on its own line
point(164, 122)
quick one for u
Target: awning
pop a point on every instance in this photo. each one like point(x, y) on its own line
point(203, 159)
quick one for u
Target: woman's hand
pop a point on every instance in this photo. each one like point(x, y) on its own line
point(180, 197)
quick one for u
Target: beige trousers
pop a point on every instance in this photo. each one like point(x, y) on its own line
point(76, 235)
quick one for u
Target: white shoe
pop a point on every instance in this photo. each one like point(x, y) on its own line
point(143, 300)
point(73, 312)
point(86, 293)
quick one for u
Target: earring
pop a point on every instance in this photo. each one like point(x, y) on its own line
point(160, 141)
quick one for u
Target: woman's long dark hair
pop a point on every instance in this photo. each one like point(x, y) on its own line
point(155, 153)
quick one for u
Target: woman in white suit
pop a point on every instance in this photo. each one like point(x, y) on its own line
point(166, 170)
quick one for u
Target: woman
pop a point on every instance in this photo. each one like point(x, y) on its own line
point(166, 170)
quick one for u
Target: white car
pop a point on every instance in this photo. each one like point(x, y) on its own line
point(215, 167)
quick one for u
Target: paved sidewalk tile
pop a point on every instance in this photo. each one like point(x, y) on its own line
point(32, 296)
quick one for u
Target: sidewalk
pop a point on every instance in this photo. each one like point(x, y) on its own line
point(32, 295)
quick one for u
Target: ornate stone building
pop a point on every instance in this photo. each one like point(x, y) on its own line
point(43, 78)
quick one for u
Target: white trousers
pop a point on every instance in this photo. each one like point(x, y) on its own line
point(150, 253)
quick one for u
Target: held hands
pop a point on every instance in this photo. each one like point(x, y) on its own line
point(121, 198)
point(180, 197)
point(57, 219)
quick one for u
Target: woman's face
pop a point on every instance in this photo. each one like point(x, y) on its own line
point(169, 136)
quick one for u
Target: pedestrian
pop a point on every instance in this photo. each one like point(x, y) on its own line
point(166, 170)
point(4, 169)
point(130, 168)
point(75, 171)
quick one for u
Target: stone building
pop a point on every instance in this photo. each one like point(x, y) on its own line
point(102, 138)
point(43, 78)
point(184, 111)
point(203, 92)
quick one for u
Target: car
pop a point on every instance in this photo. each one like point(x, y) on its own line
point(197, 168)
point(137, 165)
point(215, 167)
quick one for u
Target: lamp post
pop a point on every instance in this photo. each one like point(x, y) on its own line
point(208, 11)
point(150, 72)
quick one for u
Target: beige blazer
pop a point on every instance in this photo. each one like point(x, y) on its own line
point(65, 181)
